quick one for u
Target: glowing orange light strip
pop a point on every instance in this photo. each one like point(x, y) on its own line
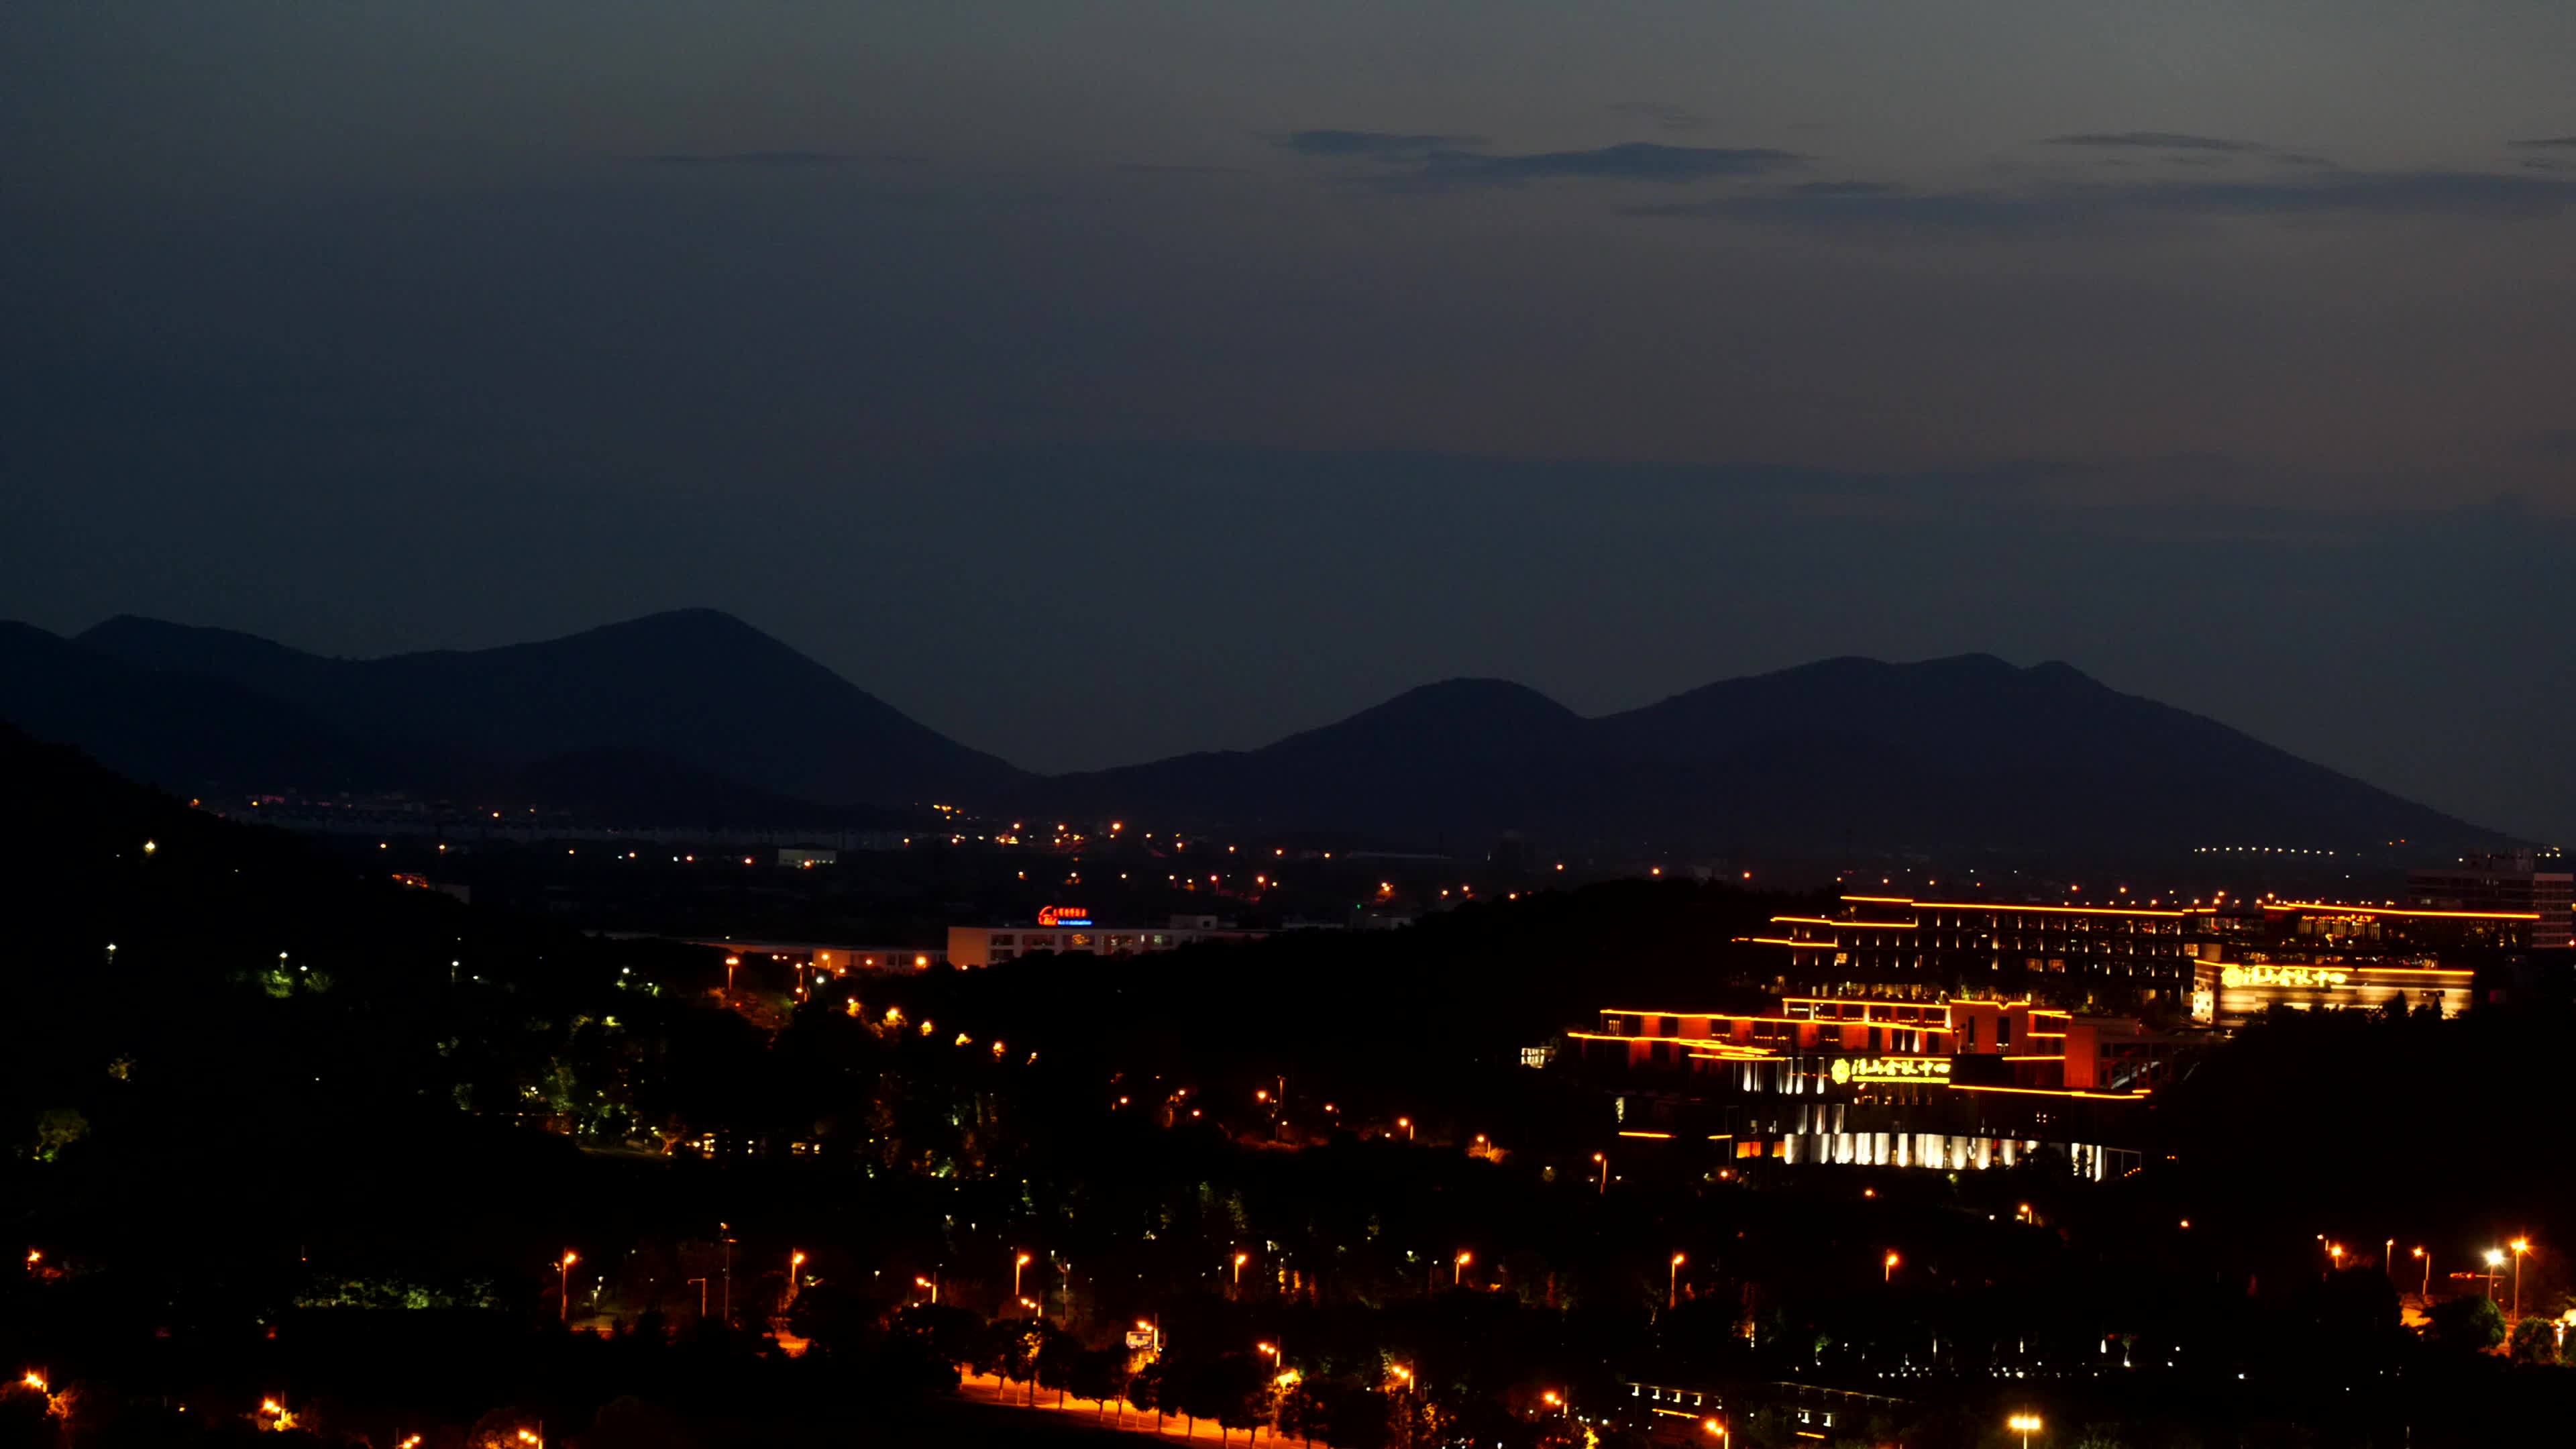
point(2400, 911)
point(2018, 906)
point(1660, 1135)
point(2048, 1091)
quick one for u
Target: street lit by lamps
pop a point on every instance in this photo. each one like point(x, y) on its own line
point(2024, 1425)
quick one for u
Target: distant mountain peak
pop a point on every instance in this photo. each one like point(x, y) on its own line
point(697, 685)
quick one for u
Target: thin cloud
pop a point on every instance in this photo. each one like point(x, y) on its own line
point(2395, 194)
point(1665, 115)
point(1634, 161)
point(2569, 142)
point(2153, 141)
point(781, 159)
point(1367, 143)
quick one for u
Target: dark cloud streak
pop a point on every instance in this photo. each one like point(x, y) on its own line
point(2154, 141)
point(2393, 194)
point(1367, 143)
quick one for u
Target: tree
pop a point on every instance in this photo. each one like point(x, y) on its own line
point(2535, 1341)
point(953, 1335)
point(1145, 1391)
point(1053, 1362)
point(1098, 1375)
point(2472, 1324)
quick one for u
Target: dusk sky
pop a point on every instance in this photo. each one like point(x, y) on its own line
point(1099, 381)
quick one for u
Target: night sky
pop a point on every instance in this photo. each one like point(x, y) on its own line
point(1097, 381)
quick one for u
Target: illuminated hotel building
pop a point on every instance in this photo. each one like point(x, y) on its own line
point(1937, 946)
point(2515, 881)
point(1954, 1085)
point(2346, 955)
point(1953, 1035)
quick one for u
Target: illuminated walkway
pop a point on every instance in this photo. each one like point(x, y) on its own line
point(1116, 1415)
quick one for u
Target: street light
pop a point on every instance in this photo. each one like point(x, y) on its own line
point(2025, 1425)
point(1890, 1275)
point(1016, 1268)
point(795, 1260)
point(2495, 1260)
point(1239, 1260)
point(2426, 1292)
point(2520, 1246)
point(564, 1290)
point(930, 1283)
point(1673, 1284)
point(1605, 1170)
point(1458, 1268)
point(1407, 1124)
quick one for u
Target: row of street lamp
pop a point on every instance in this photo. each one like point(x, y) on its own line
point(2494, 1258)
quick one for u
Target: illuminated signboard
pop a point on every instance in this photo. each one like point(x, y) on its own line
point(1064, 915)
point(1891, 1069)
point(2307, 976)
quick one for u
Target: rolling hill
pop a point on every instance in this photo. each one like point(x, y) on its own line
point(695, 687)
point(1969, 753)
point(695, 718)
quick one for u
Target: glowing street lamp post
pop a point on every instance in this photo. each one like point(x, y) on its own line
point(2025, 1425)
point(1017, 1267)
point(1604, 1163)
point(2495, 1260)
point(2425, 1292)
point(795, 1260)
point(1458, 1268)
point(2520, 1246)
point(1239, 1260)
point(1890, 1275)
point(564, 1290)
point(1673, 1284)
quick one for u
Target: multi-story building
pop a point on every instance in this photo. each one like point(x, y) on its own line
point(1899, 944)
point(1956, 1084)
point(2505, 881)
point(2148, 957)
point(1955, 1035)
point(1066, 929)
